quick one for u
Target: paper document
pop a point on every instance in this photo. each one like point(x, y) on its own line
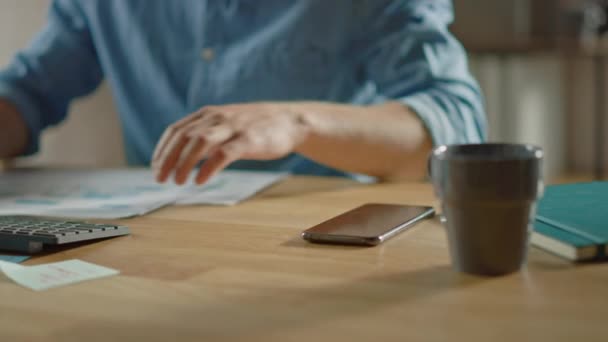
point(46, 276)
point(231, 187)
point(112, 194)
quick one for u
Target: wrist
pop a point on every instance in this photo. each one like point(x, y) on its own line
point(310, 122)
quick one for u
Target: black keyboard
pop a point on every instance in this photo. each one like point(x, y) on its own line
point(29, 234)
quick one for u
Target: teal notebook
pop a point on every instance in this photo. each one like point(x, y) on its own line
point(572, 221)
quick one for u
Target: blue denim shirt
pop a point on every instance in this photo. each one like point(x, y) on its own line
point(165, 59)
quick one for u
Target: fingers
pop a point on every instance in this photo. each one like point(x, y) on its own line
point(202, 141)
point(170, 157)
point(227, 153)
point(171, 131)
point(192, 150)
point(175, 139)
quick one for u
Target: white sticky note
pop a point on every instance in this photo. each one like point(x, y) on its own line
point(6, 266)
point(46, 276)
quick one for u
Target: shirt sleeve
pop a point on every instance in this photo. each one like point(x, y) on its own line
point(59, 65)
point(410, 56)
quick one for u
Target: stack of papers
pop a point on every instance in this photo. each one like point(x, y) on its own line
point(114, 194)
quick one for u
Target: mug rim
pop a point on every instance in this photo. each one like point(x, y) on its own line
point(487, 152)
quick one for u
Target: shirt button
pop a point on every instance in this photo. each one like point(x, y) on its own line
point(208, 54)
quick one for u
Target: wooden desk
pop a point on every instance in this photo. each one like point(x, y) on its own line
point(243, 273)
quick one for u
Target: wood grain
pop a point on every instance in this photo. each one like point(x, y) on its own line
point(243, 273)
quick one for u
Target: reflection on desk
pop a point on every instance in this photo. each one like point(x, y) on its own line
point(242, 272)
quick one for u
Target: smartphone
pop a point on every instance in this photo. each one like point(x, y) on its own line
point(368, 225)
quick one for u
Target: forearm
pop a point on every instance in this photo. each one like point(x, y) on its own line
point(387, 141)
point(13, 131)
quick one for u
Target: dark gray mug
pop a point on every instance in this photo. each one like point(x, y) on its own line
point(488, 195)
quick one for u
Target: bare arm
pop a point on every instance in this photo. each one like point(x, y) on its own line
point(386, 141)
point(13, 131)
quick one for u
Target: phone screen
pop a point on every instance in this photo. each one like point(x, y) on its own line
point(369, 224)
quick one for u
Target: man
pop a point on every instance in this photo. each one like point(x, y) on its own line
point(312, 86)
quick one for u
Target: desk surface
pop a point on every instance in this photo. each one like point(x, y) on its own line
point(223, 273)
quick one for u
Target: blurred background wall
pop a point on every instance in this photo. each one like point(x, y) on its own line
point(538, 90)
point(542, 65)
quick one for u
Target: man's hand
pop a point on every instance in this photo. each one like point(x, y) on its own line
point(224, 134)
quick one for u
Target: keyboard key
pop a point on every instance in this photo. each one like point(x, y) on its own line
point(44, 235)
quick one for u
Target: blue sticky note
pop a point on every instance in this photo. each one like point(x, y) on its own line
point(14, 258)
